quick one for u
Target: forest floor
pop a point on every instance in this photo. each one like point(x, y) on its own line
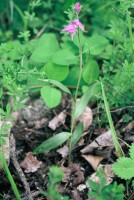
point(95, 150)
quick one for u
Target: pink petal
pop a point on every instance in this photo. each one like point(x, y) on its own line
point(79, 24)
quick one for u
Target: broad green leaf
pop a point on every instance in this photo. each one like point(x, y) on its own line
point(84, 101)
point(73, 77)
point(77, 134)
point(45, 48)
point(82, 39)
point(91, 72)
point(52, 142)
point(51, 96)
point(95, 44)
point(124, 168)
point(56, 72)
point(64, 57)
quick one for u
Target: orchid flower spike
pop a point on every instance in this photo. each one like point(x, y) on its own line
point(72, 27)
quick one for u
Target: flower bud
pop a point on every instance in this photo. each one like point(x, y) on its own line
point(78, 7)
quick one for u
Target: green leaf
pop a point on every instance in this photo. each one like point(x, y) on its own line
point(93, 185)
point(124, 168)
point(113, 131)
point(131, 151)
point(8, 108)
point(73, 77)
point(52, 142)
point(81, 37)
point(60, 85)
point(51, 96)
point(91, 72)
point(77, 134)
point(45, 48)
point(64, 57)
point(34, 80)
point(95, 44)
point(2, 111)
point(84, 101)
point(1, 92)
point(56, 72)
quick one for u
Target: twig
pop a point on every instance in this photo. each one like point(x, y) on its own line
point(112, 111)
point(131, 196)
point(42, 30)
point(34, 194)
point(18, 169)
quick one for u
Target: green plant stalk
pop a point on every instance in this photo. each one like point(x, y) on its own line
point(75, 98)
point(114, 136)
point(22, 17)
point(10, 178)
point(128, 18)
point(7, 172)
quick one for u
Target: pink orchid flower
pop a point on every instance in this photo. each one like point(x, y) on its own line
point(77, 7)
point(72, 27)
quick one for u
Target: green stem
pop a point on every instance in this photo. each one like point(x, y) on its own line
point(22, 16)
point(10, 178)
point(5, 166)
point(118, 149)
point(75, 98)
point(128, 17)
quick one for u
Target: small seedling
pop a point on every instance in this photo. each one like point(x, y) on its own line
point(55, 176)
point(101, 191)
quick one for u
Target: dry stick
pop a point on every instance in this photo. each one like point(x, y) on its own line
point(18, 169)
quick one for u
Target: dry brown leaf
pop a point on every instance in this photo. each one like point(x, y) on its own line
point(129, 127)
point(73, 174)
point(103, 140)
point(30, 163)
point(86, 117)
point(76, 195)
point(63, 151)
point(57, 120)
point(16, 116)
point(94, 161)
point(108, 173)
